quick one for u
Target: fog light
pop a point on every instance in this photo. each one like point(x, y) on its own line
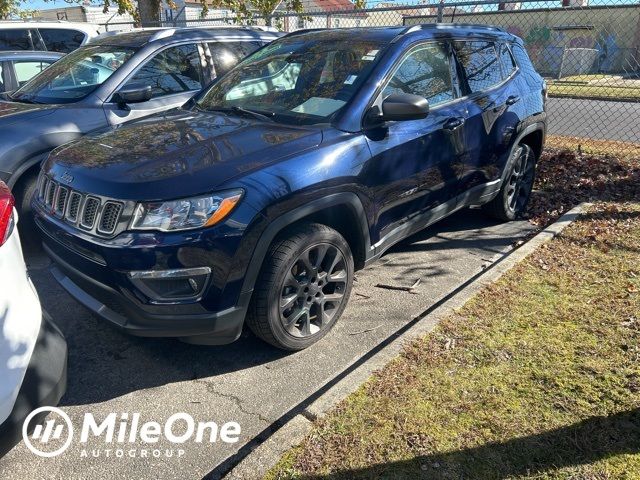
point(172, 285)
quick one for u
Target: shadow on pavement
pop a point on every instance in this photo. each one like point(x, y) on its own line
point(585, 442)
point(105, 363)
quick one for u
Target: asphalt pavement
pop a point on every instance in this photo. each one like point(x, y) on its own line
point(247, 382)
point(598, 119)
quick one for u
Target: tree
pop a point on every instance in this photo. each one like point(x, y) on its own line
point(147, 12)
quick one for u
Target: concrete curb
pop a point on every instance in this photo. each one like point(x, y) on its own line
point(266, 455)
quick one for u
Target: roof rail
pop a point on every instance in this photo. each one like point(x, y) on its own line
point(427, 26)
point(162, 33)
point(304, 30)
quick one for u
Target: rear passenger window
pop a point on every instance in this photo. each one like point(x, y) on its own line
point(425, 72)
point(506, 61)
point(480, 64)
point(15, 39)
point(174, 70)
point(225, 56)
point(61, 40)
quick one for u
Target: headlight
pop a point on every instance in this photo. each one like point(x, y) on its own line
point(186, 213)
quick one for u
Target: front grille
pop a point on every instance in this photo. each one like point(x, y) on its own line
point(51, 193)
point(88, 212)
point(61, 200)
point(109, 219)
point(74, 207)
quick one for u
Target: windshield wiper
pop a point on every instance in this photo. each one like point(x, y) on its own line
point(266, 116)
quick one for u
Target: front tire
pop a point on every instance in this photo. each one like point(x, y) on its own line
point(515, 191)
point(303, 287)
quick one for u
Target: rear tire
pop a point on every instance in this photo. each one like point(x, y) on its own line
point(303, 287)
point(512, 200)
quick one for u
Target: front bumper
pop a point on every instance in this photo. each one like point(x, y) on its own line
point(84, 272)
point(43, 385)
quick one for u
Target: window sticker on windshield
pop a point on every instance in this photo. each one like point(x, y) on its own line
point(350, 79)
point(371, 54)
point(319, 106)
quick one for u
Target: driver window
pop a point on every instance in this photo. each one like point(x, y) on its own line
point(174, 70)
point(425, 72)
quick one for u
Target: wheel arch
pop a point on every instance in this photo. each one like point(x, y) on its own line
point(343, 212)
point(25, 167)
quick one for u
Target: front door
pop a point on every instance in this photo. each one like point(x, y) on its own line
point(414, 169)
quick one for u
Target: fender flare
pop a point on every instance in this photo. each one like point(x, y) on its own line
point(25, 166)
point(348, 199)
point(533, 127)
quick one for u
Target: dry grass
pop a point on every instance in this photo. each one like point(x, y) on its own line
point(577, 90)
point(594, 147)
point(538, 377)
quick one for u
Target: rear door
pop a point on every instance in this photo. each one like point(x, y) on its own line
point(415, 165)
point(491, 99)
point(175, 74)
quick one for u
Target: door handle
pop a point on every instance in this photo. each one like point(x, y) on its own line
point(512, 99)
point(453, 123)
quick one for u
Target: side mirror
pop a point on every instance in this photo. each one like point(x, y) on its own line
point(404, 106)
point(132, 94)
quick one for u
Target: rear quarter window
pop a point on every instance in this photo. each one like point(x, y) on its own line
point(525, 65)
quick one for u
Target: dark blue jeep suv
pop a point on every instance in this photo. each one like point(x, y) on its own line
point(259, 198)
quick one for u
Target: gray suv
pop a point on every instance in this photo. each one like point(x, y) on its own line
point(110, 81)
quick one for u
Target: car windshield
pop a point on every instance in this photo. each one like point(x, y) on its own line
point(74, 76)
point(302, 79)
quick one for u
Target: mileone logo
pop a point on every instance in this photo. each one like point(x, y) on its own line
point(123, 433)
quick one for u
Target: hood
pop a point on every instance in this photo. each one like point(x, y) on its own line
point(12, 112)
point(177, 154)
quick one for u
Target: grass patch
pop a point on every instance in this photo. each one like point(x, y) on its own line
point(538, 377)
point(576, 90)
point(590, 146)
point(586, 78)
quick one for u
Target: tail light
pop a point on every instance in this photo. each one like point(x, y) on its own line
point(7, 221)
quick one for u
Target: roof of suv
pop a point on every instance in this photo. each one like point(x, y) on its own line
point(88, 28)
point(141, 37)
point(391, 33)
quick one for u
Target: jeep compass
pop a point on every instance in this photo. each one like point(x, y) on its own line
point(258, 200)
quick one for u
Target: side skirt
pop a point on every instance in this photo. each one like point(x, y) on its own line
point(475, 196)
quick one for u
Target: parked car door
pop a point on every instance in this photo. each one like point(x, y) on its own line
point(175, 74)
point(491, 118)
point(415, 166)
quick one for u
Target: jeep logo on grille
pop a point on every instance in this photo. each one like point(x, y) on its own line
point(66, 177)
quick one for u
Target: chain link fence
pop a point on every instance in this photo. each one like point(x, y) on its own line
point(589, 52)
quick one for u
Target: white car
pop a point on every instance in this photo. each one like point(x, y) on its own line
point(33, 352)
point(61, 37)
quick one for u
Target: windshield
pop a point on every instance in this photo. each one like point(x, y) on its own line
point(302, 79)
point(75, 75)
